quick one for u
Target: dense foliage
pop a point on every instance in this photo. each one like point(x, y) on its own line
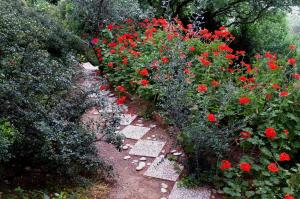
point(229, 111)
point(40, 106)
point(86, 16)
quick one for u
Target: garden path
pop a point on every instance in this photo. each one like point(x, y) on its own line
point(144, 168)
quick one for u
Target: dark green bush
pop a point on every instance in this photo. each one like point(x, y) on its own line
point(85, 16)
point(38, 99)
point(267, 34)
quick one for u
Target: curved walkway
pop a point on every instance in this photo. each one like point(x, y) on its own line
point(144, 169)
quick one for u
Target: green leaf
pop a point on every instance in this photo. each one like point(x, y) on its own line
point(249, 194)
point(266, 152)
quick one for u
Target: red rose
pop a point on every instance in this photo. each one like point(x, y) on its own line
point(202, 88)
point(113, 51)
point(225, 164)
point(121, 88)
point(245, 166)
point(272, 167)
point(144, 72)
point(283, 93)
point(292, 61)
point(284, 157)
point(211, 117)
point(270, 133)
point(144, 82)
point(244, 100)
point(121, 100)
point(245, 134)
point(288, 196)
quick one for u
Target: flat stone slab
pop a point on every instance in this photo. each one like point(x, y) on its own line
point(184, 193)
point(165, 169)
point(126, 119)
point(147, 148)
point(89, 66)
point(134, 132)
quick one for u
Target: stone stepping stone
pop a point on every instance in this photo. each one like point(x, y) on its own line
point(147, 148)
point(184, 193)
point(111, 99)
point(134, 132)
point(89, 66)
point(165, 169)
point(126, 119)
point(140, 166)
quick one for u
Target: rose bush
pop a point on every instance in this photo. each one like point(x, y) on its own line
point(238, 121)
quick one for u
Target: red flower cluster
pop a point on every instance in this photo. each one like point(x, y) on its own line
point(121, 100)
point(283, 93)
point(284, 157)
point(246, 167)
point(244, 100)
point(144, 72)
point(288, 196)
point(94, 41)
point(225, 164)
point(272, 167)
point(121, 88)
point(192, 48)
point(165, 59)
point(110, 64)
point(202, 88)
point(204, 62)
point(292, 61)
point(144, 82)
point(270, 133)
point(102, 88)
point(211, 118)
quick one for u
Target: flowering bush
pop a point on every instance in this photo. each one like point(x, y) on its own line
point(238, 120)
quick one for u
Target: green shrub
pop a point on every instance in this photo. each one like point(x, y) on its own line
point(266, 34)
point(8, 135)
point(238, 122)
point(38, 98)
point(85, 16)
